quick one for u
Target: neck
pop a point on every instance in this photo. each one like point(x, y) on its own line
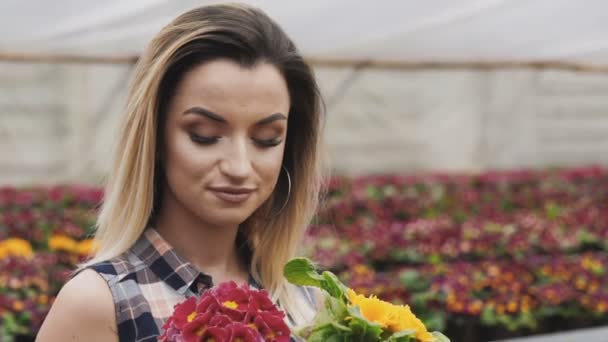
point(211, 249)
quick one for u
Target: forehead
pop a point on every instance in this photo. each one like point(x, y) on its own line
point(228, 88)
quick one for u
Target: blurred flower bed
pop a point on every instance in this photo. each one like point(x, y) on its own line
point(517, 251)
point(514, 252)
point(43, 235)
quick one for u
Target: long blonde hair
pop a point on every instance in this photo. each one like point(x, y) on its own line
point(132, 195)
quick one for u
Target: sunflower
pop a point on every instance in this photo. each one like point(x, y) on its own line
point(392, 317)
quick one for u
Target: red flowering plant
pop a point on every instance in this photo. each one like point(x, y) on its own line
point(227, 312)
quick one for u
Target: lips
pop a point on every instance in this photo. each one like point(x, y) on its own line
point(232, 194)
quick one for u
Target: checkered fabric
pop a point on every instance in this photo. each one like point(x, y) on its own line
point(147, 282)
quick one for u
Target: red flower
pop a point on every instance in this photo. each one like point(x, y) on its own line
point(272, 326)
point(230, 291)
point(182, 314)
point(227, 313)
point(261, 302)
point(234, 301)
point(244, 333)
point(208, 303)
point(220, 320)
point(193, 331)
point(216, 334)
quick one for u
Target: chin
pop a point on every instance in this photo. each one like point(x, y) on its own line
point(227, 217)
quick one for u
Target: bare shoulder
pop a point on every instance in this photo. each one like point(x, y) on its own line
point(83, 311)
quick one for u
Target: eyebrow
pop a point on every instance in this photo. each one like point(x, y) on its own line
point(206, 113)
point(272, 118)
point(218, 118)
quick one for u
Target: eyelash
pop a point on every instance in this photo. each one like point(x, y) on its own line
point(268, 143)
point(198, 139)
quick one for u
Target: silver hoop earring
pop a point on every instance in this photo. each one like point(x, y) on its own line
point(288, 191)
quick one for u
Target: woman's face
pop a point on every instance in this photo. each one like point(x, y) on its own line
point(224, 139)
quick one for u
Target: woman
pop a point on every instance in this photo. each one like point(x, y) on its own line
point(215, 178)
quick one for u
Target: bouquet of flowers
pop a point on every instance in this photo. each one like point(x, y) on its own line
point(227, 313)
point(232, 313)
point(348, 316)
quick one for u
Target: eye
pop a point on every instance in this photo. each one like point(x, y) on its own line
point(268, 142)
point(202, 140)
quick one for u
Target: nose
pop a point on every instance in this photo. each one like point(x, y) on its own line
point(236, 161)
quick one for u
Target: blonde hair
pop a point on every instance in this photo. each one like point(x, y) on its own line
point(132, 195)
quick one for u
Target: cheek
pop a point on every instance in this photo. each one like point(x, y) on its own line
point(185, 159)
point(270, 166)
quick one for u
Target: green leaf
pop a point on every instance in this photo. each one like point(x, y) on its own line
point(365, 330)
point(302, 272)
point(433, 320)
point(11, 325)
point(336, 308)
point(5, 333)
point(439, 337)
point(374, 192)
point(402, 336)
point(435, 259)
point(406, 255)
point(526, 319)
point(413, 281)
point(587, 237)
point(488, 317)
point(430, 213)
point(333, 285)
point(327, 332)
point(327, 322)
point(553, 210)
point(10, 322)
point(459, 217)
point(507, 205)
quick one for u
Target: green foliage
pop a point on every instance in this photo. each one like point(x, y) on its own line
point(339, 321)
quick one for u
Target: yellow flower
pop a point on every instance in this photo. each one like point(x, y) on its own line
point(62, 243)
point(230, 304)
point(372, 308)
point(3, 251)
point(406, 320)
point(394, 317)
point(18, 306)
point(86, 247)
point(15, 247)
point(43, 299)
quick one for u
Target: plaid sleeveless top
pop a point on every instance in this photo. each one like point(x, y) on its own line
point(146, 283)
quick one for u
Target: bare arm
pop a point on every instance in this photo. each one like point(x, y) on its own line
point(83, 311)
